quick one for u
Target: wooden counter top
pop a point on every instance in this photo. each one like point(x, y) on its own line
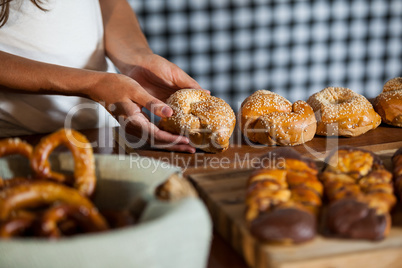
point(241, 153)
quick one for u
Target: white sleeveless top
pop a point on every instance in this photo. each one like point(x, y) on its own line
point(70, 33)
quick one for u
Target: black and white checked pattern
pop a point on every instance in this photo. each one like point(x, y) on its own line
point(295, 48)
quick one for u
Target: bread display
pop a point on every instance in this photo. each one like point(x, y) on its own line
point(360, 194)
point(208, 121)
point(283, 199)
point(342, 112)
point(50, 204)
point(38, 194)
point(388, 103)
point(269, 118)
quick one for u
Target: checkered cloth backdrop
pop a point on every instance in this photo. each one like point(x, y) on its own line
point(295, 48)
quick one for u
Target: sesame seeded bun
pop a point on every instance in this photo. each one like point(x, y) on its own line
point(269, 118)
point(342, 112)
point(389, 103)
point(206, 120)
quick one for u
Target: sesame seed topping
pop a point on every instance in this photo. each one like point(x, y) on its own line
point(195, 110)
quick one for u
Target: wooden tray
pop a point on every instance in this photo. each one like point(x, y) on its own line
point(224, 192)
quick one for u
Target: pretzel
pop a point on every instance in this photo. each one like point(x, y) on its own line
point(283, 200)
point(208, 121)
point(39, 193)
point(397, 171)
point(269, 118)
point(360, 192)
point(342, 112)
point(388, 103)
point(13, 181)
point(13, 146)
point(84, 174)
point(88, 219)
point(17, 225)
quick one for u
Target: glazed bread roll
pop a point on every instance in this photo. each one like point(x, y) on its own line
point(208, 121)
point(360, 191)
point(342, 112)
point(269, 118)
point(389, 103)
point(283, 199)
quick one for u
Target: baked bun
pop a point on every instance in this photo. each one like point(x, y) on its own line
point(389, 103)
point(269, 118)
point(206, 120)
point(342, 112)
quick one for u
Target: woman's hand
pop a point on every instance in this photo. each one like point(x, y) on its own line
point(124, 98)
point(149, 79)
point(158, 76)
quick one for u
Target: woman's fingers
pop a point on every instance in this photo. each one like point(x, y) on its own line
point(177, 148)
point(124, 109)
point(139, 126)
point(154, 105)
point(182, 80)
point(161, 136)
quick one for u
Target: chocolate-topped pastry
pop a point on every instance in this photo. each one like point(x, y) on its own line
point(286, 225)
point(354, 219)
point(283, 199)
point(360, 192)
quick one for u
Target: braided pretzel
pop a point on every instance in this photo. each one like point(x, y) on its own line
point(14, 146)
point(269, 118)
point(283, 201)
point(342, 112)
point(208, 121)
point(360, 192)
point(84, 174)
point(89, 220)
point(388, 103)
point(397, 170)
point(37, 193)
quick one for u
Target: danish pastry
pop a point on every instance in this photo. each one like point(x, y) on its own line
point(360, 192)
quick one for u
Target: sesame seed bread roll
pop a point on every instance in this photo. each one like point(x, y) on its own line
point(388, 104)
point(269, 118)
point(342, 112)
point(206, 120)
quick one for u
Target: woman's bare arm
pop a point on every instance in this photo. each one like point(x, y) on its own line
point(122, 96)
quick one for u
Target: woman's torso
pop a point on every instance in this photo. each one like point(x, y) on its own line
point(70, 33)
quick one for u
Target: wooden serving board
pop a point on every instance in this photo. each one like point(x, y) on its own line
point(224, 192)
